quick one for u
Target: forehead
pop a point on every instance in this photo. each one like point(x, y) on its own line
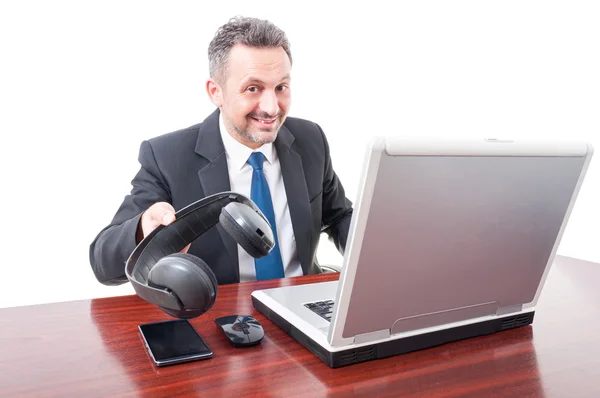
point(266, 64)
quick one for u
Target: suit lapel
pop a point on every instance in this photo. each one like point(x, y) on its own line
point(297, 194)
point(214, 175)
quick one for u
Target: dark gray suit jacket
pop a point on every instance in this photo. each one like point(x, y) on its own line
point(189, 164)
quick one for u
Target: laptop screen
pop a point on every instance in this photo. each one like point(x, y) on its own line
point(455, 237)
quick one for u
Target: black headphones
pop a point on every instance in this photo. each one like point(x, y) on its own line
point(182, 285)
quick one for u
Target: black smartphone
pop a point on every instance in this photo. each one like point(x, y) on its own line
point(172, 342)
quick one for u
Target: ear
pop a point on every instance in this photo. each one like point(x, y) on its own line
point(215, 92)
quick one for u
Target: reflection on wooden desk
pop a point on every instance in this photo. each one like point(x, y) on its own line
point(93, 348)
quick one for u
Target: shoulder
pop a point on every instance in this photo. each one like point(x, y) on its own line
point(307, 134)
point(184, 140)
point(175, 140)
point(299, 127)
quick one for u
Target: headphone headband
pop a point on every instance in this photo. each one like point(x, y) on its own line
point(190, 222)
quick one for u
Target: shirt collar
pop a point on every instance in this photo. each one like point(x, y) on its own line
point(239, 153)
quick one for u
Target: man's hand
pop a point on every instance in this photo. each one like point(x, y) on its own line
point(157, 214)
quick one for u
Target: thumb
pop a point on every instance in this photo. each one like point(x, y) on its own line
point(168, 218)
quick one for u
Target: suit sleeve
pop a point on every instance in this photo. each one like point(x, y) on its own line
point(113, 245)
point(337, 209)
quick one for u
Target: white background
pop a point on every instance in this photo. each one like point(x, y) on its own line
point(83, 83)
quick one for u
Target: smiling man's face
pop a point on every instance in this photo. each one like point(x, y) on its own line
point(253, 93)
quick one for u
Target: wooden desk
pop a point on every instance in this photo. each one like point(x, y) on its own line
point(93, 348)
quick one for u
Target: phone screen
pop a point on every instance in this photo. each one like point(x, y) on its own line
point(172, 342)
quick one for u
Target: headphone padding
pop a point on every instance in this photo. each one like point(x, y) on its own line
point(189, 278)
point(202, 264)
point(240, 236)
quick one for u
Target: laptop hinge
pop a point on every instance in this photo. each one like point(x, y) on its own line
point(371, 336)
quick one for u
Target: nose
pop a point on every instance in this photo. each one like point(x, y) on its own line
point(269, 103)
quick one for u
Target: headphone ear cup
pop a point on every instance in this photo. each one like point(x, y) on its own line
point(249, 229)
point(239, 235)
point(203, 266)
point(190, 279)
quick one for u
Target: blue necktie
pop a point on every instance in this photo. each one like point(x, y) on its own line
point(270, 266)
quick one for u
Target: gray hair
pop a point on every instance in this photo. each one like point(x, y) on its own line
point(251, 32)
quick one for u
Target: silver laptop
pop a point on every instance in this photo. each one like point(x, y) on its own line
point(449, 240)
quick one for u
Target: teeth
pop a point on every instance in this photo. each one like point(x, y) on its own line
point(264, 121)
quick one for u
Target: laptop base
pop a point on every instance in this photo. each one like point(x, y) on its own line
point(393, 347)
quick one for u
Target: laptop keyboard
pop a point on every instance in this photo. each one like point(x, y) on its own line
point(321, 308)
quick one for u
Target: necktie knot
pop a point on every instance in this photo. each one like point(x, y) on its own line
point(256, 160)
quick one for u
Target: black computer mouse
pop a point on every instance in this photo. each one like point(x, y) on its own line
point(241, 330)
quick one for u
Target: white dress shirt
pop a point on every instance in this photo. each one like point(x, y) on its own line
point(240, 180)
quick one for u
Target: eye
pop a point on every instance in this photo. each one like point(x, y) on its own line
point(282, 87)
point(252, 89)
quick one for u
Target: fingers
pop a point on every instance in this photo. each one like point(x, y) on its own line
point(157, 214)
point(185, 249)
point(162, 212)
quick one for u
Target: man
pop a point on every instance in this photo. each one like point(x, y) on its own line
point(247, 141)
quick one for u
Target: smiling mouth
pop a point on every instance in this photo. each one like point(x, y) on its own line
point(266, 122)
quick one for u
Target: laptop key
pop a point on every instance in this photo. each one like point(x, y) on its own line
point(322, 308)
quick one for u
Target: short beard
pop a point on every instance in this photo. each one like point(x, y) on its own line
point(252, 138)
point(255, 137)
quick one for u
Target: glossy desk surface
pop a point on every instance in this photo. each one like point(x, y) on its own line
point(92, 348)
